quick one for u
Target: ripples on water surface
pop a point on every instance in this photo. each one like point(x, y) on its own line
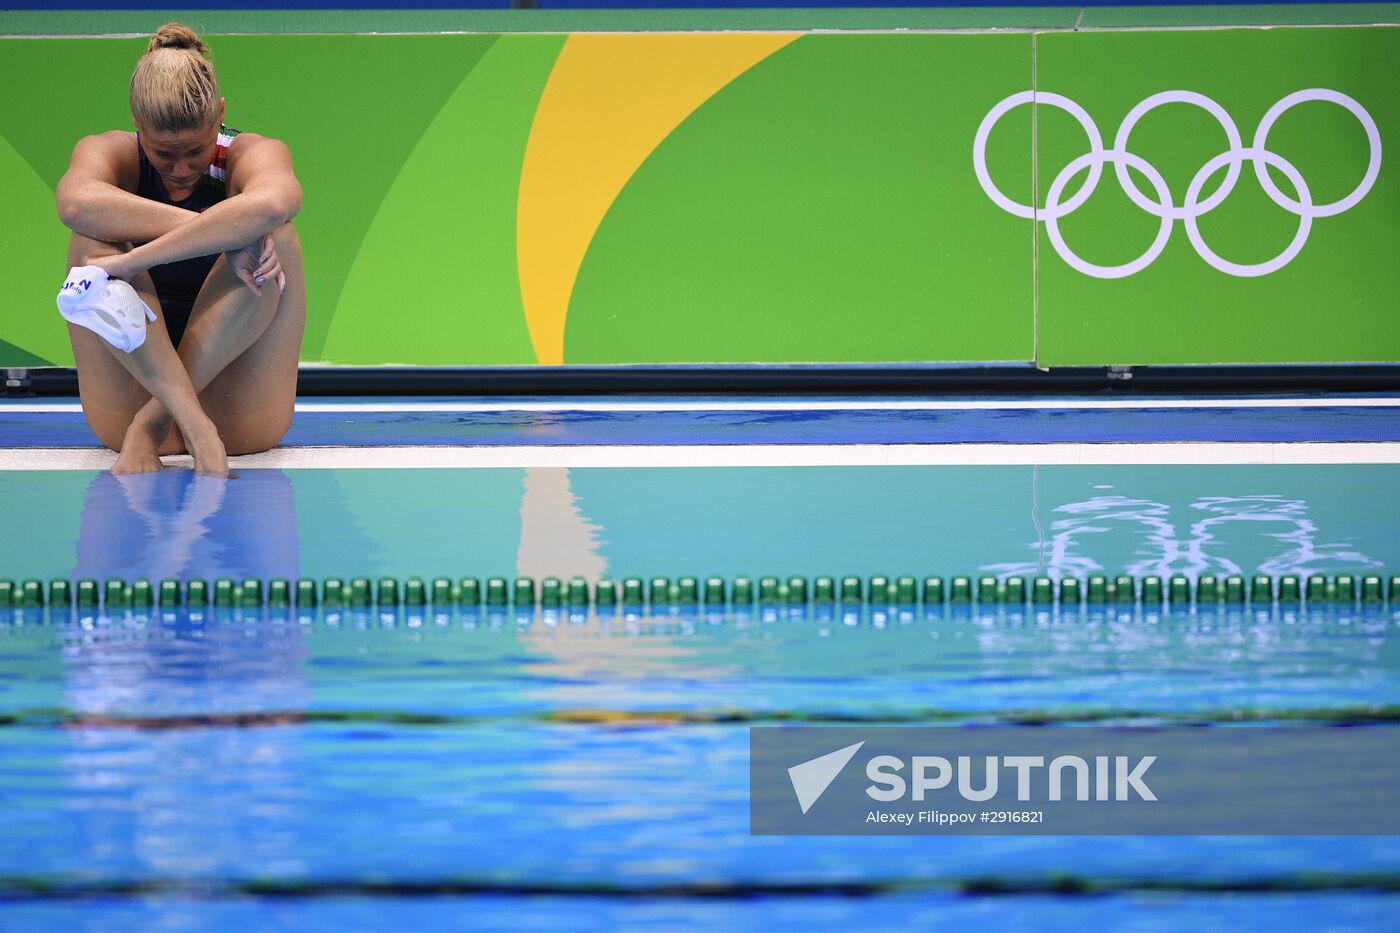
point(517, 767)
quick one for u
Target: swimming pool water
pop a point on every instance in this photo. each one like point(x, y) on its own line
point(270, 766)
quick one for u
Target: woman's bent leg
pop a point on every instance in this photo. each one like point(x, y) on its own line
point(114, 385)
point(242, 350)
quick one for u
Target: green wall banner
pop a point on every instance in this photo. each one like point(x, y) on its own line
point(1067, 198)
point(1218, 196)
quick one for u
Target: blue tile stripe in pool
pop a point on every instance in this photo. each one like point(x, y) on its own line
point(386, 428)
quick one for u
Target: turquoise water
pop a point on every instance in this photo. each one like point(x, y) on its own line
point(808, 521)
point(459, 768)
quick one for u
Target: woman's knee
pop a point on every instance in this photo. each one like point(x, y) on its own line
point(110, 430)
point(82, 250)
point(249, 436)
point(288, 243)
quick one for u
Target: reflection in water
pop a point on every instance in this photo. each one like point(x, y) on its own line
point(558, 746)
point(1305, 553)
point(155, 785)
point(556, 540)
point(1158, 547)
point(174, 524)
point(575, 664)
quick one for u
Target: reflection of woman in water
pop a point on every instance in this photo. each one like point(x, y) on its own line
point(158, 708)
point(178, 525)
point(196, 216)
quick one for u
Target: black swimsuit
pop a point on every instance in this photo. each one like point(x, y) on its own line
point(178, 283)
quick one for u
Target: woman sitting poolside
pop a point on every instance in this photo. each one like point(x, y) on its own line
point(197, 218)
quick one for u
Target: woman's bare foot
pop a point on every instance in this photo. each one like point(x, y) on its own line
point(207, 448)
point(138, 453)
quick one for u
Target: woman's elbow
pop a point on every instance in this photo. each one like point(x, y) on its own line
point(291, 204)
point(70, 209)
point(280, 210)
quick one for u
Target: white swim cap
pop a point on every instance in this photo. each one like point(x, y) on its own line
point(110, 309)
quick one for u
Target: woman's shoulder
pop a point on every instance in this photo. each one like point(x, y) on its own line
point(243, 141)
point(112, 155)
point(254, 150)
point(114, 144)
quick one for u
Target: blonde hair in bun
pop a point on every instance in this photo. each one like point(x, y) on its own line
point(174, 87)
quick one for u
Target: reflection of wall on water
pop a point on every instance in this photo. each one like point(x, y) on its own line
point(577, 663)
point(179, 525)
point(1305, 554)
point(556, 539)
point(1158, 547)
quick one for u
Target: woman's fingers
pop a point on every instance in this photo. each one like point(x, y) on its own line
point(256, 264)
point(270, 271)
point(246, 277)
point(269, 267)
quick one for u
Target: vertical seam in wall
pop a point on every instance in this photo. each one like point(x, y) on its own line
point(1035, 219)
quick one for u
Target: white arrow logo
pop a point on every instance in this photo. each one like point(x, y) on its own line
point(811, 778)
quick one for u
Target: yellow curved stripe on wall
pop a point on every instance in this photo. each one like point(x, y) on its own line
point(609, 103)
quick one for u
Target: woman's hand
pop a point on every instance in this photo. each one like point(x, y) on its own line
point(117, 266)
point(256, 264)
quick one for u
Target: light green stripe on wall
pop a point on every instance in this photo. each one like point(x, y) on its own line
point(435, 278)
point(27, 247)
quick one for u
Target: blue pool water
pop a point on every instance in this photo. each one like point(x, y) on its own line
point(347, 768)
point(1222, 519)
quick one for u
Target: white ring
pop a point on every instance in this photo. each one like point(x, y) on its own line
point(984, 129)
point(1052, 223)
point(1120, 142)
point(1192, 209)
point(1373, 136)
point(1193, 232)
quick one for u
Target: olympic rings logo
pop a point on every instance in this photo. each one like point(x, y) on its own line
point(1193, 207)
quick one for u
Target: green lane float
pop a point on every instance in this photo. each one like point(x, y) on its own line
point(386, 592)
point(306, 593)
point(250, 594)
point(60, 594)
point(605, 593)
point(578, 593)
point(142, 597)
point(279, 594)
point(1175, 593)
